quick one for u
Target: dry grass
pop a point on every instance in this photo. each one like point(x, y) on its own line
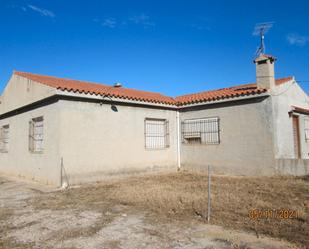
point(184, 196)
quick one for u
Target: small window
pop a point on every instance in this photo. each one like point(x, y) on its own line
point(4, 138)
point(36, 135)
point(307, 130)
point(201, 131)
point(156, 133)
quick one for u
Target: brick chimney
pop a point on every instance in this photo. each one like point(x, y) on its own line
point(265, 73)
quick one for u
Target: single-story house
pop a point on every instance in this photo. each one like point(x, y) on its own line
point(61, 131)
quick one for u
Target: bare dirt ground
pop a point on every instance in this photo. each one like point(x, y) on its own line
point(155, 211)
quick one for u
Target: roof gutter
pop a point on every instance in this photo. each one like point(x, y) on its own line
point(225, 100)
point(145, 103)
point(112, 99)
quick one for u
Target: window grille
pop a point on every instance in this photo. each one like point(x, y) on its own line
point(36, 134)
point(201, 131)
point(307, 130)
point(4, 138)
point(156, 133)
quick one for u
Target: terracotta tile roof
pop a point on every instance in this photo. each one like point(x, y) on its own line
point(224, 93)
point(98, 89)
point(284, 80)
point(137, 95)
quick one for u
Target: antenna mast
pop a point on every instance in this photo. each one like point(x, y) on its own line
point(261, 29)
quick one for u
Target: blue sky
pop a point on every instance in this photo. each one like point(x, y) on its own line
point(172, 47)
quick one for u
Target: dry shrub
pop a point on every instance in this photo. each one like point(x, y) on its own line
point(184, 195)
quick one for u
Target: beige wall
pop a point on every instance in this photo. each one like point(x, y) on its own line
point(19, 161)
point(21, 91)
point(284, 97)
point(43, 167)
point(97, 141)
point(93, 140)
point(246, 145)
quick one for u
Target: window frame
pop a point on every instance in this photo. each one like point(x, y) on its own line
point(33, 148)
point(166, 134)
point(198, 137)
point(3, 138)
point(306, 130)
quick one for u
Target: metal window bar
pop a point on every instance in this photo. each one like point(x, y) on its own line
point(307, 130)
point(307, 135)
point(201, 131)
point(31, 135)
point(167, 134)
point(156, 134)
point(36, 134)
point(4, 138)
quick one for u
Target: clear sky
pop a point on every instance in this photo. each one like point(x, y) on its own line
point(173, 47)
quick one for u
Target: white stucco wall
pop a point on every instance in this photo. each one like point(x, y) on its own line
point(97, 141)
point(19, 161)
point(283, 98)
point(21, 91)
point(246, 146)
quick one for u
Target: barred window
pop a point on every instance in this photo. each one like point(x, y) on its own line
point(201, 131)
point(4, 138)
point(156, 133)
point(307, 130)
point(36, 135)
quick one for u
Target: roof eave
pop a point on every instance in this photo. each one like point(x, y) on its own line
point(115, 99)
point(300, 110)
point(231, 99)
point(147, 103)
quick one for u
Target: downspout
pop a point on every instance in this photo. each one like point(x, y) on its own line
point(61, 176)
point(178, 140)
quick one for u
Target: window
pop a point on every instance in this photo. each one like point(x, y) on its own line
point(4, 138)
point(307, 130)
point(201, 131)
point(36, 134)
point(156, 134)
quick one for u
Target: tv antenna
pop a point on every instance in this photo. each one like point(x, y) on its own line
point(261, 29)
